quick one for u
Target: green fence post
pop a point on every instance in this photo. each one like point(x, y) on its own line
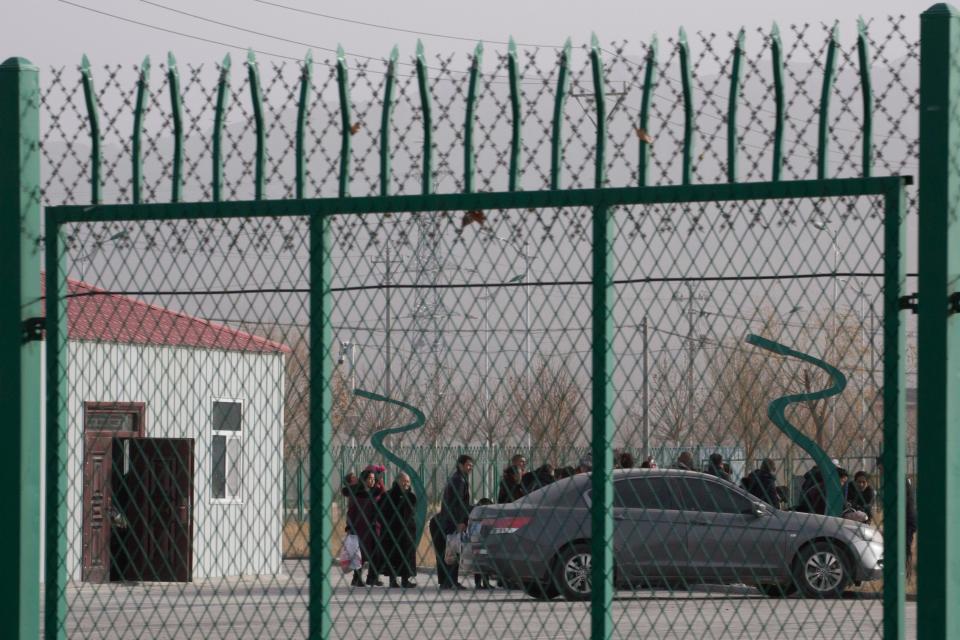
point(93, 121)
point(139, 113)
point(176, 114)
point(513, 74)
point(20, 384)
point(321, 398)
point(938, 402)
point(602, 428)
point(55, 540)
point(776, 56)
point(894, 413)
point(303, 109)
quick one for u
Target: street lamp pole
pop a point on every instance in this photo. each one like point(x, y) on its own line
point(526, 321)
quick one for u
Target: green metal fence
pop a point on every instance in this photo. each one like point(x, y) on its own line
point(191, 348)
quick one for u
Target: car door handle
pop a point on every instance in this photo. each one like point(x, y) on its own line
point(703, 522)
point(618, 517)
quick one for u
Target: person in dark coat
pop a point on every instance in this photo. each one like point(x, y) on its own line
point(762, 483)
point(363, 521)
point(538, 478)
point(511, 487)
point(860, 495)
point(715, 467)
point(911, 516)
point(454, 514)
point(399, 532)
point(814, 498)
point(684, 461)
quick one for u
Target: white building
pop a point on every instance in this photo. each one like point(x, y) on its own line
point(175, 444)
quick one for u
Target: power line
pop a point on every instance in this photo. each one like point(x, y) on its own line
point(400, 29)
point(180, 33)
point(377, 287)
point(296, 42)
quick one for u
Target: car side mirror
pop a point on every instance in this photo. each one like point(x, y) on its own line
point(759, 510)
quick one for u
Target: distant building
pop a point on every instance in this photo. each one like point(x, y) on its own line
point(175, 444)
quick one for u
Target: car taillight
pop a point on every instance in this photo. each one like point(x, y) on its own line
point(507, 525)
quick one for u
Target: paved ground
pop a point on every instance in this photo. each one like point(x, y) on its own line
point(276, 608)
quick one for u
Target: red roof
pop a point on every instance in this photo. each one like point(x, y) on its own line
point(97, 315)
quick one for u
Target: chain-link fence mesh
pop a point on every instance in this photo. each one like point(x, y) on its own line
point(188, 367)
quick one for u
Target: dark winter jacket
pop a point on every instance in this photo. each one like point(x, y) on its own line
point(719, 473)
point(763, 484)
point(398, 532)
point(363, 517)
point(455, 503)
point(861, 500)
point(537, 479)
point(511, 487)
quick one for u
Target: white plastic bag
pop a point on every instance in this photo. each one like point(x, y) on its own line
point(454, 547)
point(350, 559)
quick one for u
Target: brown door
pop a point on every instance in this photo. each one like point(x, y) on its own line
point(96, 507)
point(102, 422)
point(154, 491)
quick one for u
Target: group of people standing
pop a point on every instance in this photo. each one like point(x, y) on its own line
point(384, 522)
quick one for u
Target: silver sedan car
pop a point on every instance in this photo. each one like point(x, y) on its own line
point(671, 528)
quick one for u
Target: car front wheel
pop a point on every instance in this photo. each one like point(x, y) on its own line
point(572, 572)
point(821, 570)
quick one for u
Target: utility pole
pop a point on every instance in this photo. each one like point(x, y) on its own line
point(646, 388)
point(388, 273)
point(691, 314)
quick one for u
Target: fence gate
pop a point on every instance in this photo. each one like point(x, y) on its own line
point(193, 349)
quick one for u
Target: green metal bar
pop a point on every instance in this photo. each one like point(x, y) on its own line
point(894, 413)
point(866, 88)
point(377, 440)
point(256, 99)
point(303, 107)
point(468, 159)
point(649, 82)
point(219, 116)
point(389, 83)
point(599, 96)
point(513, 73)
point(424, 85)
point(20, 376)
point(301, 504)
point(321, 405)
point(140, 109)
point(343, 90)
point(601, 442)
point(776, 411)
point(776, 54)
point(176, 113)
point(938, 330)
point(823, 131)
point(607, 197)
point(55, 540)
point(736, 73)
point(686, 80)
point(563, 85)
point(93, 119)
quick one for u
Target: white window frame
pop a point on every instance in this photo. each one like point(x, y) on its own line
point(228, 435)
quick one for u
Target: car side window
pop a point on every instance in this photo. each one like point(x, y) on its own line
point(645, 493)
point(700, 494)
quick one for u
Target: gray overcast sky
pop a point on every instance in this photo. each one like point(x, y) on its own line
point(52, 32)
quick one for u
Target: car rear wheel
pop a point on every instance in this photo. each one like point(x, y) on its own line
point(821, 570)
point(572, 572)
